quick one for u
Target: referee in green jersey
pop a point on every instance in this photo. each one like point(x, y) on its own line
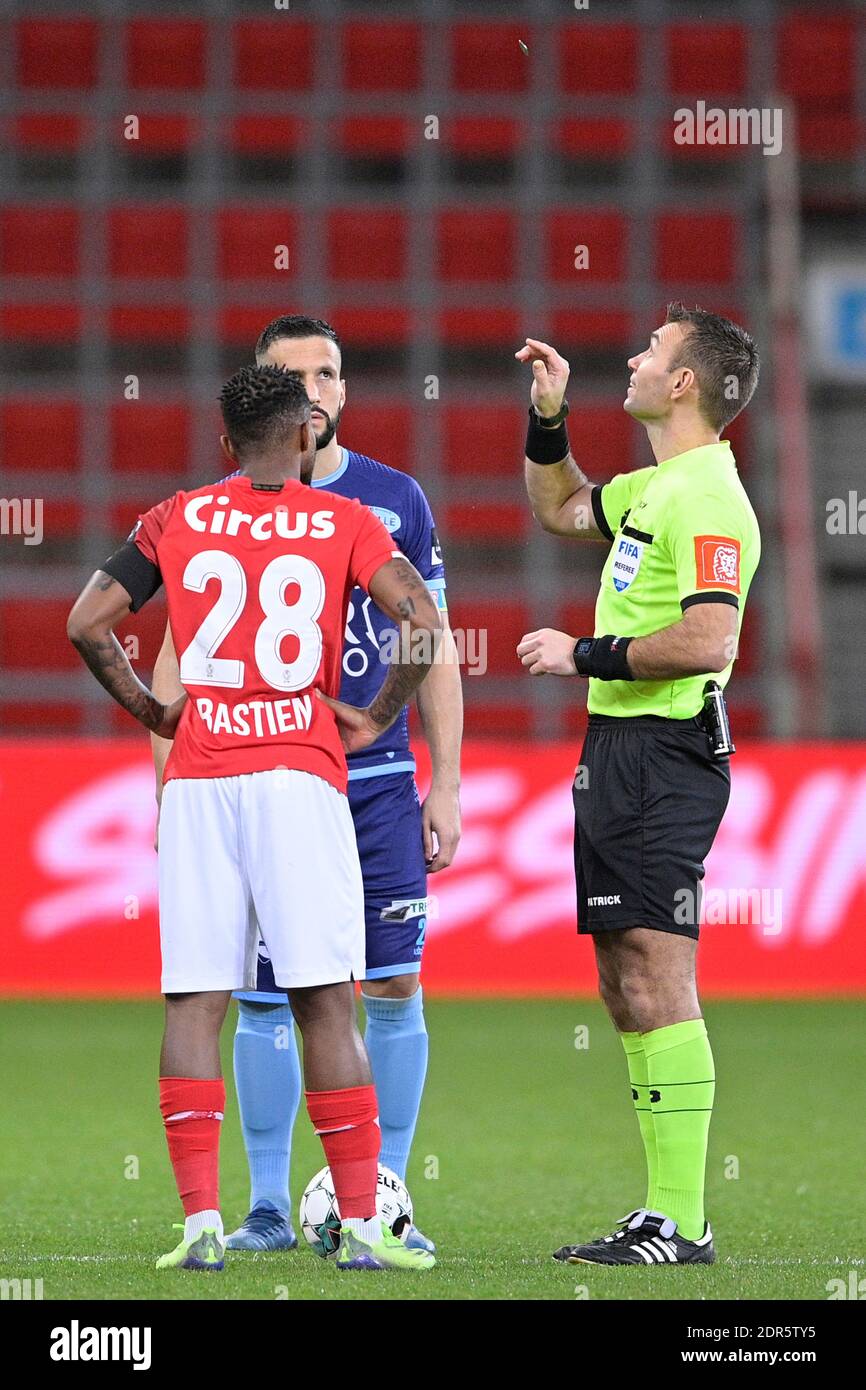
point(654, 783)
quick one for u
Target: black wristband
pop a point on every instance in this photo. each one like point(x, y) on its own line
point(545, 446)
point(603, 657)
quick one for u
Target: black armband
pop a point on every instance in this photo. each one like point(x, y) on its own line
point(603, 657)
point(545, 445)
point(139, 577)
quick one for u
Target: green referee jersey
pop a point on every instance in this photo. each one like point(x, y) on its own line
point(682, 532)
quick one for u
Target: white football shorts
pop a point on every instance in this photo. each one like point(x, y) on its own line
point(265, 853)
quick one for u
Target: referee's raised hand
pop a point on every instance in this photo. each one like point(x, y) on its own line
point(549, 375)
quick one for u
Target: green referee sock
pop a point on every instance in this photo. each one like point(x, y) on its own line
point(682, 1084)
point(637, 1075)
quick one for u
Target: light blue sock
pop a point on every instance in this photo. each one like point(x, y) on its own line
point(396, 1039)
point(268, 1082)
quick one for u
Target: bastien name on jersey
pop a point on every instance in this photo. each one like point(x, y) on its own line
point(319, 526)
point(257, 717)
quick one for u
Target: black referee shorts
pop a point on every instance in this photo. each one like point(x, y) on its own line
point(648, 800)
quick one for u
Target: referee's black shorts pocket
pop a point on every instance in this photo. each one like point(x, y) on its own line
point(686, 795)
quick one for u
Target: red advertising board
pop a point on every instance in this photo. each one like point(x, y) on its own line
point(784, 902)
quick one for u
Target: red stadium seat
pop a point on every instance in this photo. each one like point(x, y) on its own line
point(478, 437)
point(382, 430)
point(57, 52)
point(593, 327)
point(366, 244)
point(149, 323)
point(696, 246)
point(247, 241)
point(375, 136)
point(706, 59)
point(593, 137)
point(41, 131)
point(165, 54)
point(358, 327)
point(149, 438)
point(148, 242)
point(816, 59)
point(466, 326)
point(62, 518)
point(267, 135)
point(486, 521)
point(160, 134)
point(830, 137)
point(476, 244)
point(42, 435)
point(381, 57)
point(488, 58)
point(601, 435)
point(273, 55)
point(241, 324)
point(39, 240)
point(39, 323)
point(603, 233)
point(483, 137)
point(33, 635)
point(598, 57)
point(503, 622)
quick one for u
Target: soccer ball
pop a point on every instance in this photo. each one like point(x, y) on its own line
point(320, 1215)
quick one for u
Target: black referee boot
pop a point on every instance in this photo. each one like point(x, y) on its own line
point(643, 1238)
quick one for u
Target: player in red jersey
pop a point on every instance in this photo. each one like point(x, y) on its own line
point(258, 571)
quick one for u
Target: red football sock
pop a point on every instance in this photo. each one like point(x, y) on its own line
point(347, 1122)
point(192, 1112)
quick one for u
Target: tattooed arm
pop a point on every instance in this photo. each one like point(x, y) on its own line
point(90, 627)
point(398, 589)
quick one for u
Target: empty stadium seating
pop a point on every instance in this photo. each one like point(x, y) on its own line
point(272, 55)
point(117, 286)
point(57, 53)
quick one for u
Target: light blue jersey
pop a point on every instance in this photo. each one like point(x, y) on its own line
point(401, 505)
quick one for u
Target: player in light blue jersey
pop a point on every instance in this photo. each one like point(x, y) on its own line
point(399, 840)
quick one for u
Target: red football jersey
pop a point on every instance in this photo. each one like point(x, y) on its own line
point(258, 585)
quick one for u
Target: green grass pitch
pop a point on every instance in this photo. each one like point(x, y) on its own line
point(525, 1141)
